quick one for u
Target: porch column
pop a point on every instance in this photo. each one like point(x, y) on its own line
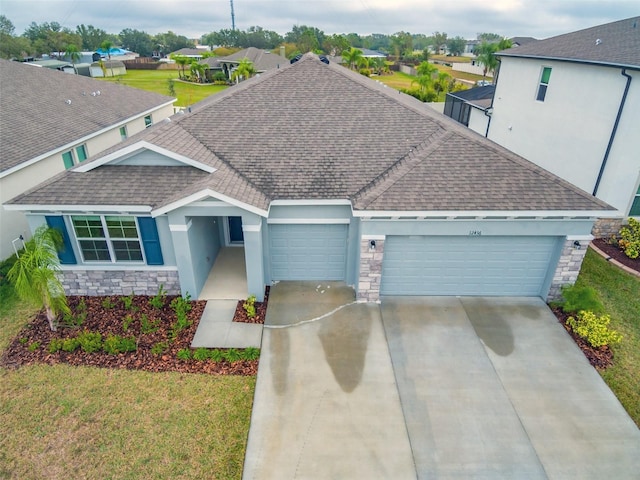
point(371, 256)
point(179, 227)
point(253, 256)
point(573, 252)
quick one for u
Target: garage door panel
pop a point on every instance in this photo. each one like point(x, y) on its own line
point(466, 265)
point(308, 252)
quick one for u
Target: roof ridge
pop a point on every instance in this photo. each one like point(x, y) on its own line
point(400, 168)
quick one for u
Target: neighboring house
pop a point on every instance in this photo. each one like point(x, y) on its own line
point(319, 174)
point(52, 64)
point(193, 53)
point(571, 104)
point(470, 107)
point(262, 60)
point(51, 121)
point(367, 53)
point(519, 41)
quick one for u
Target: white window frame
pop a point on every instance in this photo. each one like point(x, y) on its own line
point(74, 155)
point(147, 125)
point(109, 240)
point(124, 133)
point(542, 84)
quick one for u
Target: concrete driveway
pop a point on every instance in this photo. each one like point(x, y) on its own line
point(495, 388)
point(428, 387)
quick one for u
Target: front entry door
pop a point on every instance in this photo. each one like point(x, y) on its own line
point(235, 230)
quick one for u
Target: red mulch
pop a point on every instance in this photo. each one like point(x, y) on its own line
point(261, 311)
point(110, 321)
point(600, 358)
point(617, 254)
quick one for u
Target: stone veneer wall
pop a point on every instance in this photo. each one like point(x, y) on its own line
point(120, 282)
point(370, 271)
point(606, 227)
point(568, 267)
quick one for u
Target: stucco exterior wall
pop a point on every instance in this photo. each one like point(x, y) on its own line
point(568, 132)
point(478, 121)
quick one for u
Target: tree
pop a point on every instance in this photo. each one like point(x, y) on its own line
point(6, 26)
point(333, 44)
point(73, 52)
point(182, 61)
point(402, 44)
point(489, 37)
point(244, 70)
point(352, 57)
point(91, 36)
point(439, 41)
point(198, 70)
point(35, 274)
point(107, 45)
point(426, 69)
point(442, 83)
point(486, 55)
point(10, 45)
point(137, 41)
point(456, 45)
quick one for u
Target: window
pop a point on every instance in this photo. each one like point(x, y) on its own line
point(108, 238)
point(544, 83)
point(148, 121)
point(123, 133)
point(69, 158)
point(635, 206)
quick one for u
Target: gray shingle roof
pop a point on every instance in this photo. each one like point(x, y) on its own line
point(316, 131)
point(615, 44)
point(262, 60)
point(36, 117)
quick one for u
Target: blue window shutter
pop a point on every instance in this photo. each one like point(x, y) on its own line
point(150, 240)
point(66, 255)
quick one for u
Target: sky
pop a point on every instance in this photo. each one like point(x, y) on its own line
point(193, 18)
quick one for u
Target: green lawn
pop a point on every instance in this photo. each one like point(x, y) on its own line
point(620, 293)
point(157, 81)
point(60, 422)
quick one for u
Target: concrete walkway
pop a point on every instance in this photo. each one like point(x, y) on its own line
point(496, 388)
point(218, 330)
point(326, 404)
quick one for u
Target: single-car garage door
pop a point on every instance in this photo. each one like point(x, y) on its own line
point(434, 265)
point(308, 252)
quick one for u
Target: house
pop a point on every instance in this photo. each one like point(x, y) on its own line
point(192, 53)
point(262, 60)
point(51, 120)
point(518, 41)
point(368, 53)
point(470, 107)
point(320, 174)
point(571, 105)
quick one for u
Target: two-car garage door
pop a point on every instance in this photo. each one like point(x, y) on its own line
point(440, 265)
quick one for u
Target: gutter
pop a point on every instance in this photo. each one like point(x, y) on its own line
point(489, 111)
point(624, 73)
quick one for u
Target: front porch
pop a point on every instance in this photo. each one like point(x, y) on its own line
point(227, 279)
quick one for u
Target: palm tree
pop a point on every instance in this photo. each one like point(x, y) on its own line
point(108, 45)
point(73, 52)
point(182, 61)
point(198, 70)
point(244, 70)
point(486, 54)
point(426, 68)
point(35, 274)
point(352, 57)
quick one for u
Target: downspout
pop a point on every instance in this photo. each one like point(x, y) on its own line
point(613, 132)
point(489, 111)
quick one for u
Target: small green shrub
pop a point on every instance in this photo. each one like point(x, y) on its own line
point(250, 306)
point(251, 353)
point(90, 342)
point(577, 298)
point(55, 345)
point(148, 325)
point(33, 346)
point(594, 329)
point(159, 348)
point(181, 304)
point(115, 344)
point(184, 354)
point(630, 239)
point(70, 344)
point(159, 300)
point(108, 303)
point(126, 323)
point(127, 302)
point(78, 318)
point(232, 355)
point(201, 354)
point(23, 340)
point(216, 355)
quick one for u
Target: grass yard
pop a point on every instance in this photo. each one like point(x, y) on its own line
point(620, 293)
point(61, 422)
point(396, 80)
point(157, 81)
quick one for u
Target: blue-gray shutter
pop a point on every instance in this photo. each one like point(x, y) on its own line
point(66, 255)
point(150, 240)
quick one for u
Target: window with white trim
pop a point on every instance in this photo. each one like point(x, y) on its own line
point(148, 121)
point(74, 156)
point(544, 83)
point(108, 238)
point(123, 132)
point(635, 206)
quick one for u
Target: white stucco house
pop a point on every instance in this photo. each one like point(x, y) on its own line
point(320, 174)
point(571, 104)
point(51, 121)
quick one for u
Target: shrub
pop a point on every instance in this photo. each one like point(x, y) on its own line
point(70, 344)
point(148, 325)
point(90, 342)
point(630, 239)
point(201, 354)
point(184, 354)
point(55, 345)
point(33, 346)
point(181, 304)
point(216, 355)
point(108, 303)
point(577, 298)
point(159, 300)
point(594, 329)
point(126, 323)
point(159, 348)
point(127, 302)
point(115, 344)
point(251, 353)
point(219, 77)
point(232, 355)
point(70, 319)
point(250, 306)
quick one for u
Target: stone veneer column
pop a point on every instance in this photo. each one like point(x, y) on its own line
point(370, 269)
point(569, 264)
point(606, 227)
point(120, 282)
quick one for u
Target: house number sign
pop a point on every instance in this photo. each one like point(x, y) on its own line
point(475, 233)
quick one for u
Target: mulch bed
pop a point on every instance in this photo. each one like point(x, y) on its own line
point(600, 358)
point(261, 311)
point(37, 335)
point(617, 254)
